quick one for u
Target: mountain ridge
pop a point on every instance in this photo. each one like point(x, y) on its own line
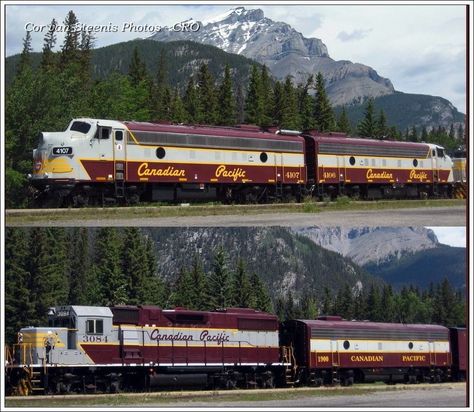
point(285, 51)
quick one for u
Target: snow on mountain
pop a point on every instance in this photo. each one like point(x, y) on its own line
point(285, 51)
point(372, 245)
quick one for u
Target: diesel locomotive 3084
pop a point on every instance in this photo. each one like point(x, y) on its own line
point(99, 161)
point(109, 349)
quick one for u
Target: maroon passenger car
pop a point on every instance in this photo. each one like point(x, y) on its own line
point(330, 349)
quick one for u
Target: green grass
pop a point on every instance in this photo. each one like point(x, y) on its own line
point(22, 217)
point(177, 399)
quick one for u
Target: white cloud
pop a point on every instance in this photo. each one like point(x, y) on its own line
point(421, 48)
point(452, 236)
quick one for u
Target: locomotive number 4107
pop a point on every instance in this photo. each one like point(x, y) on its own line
point(58, 151)
point(292, 175)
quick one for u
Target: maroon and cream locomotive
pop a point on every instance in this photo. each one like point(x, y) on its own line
point(90, 349)
point(95, 161)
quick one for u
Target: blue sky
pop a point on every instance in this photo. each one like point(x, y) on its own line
point(420, 48)
point(452, 236)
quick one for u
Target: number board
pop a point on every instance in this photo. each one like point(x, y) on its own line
point(59, 151)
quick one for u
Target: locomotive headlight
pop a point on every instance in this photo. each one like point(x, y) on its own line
point(20, 337)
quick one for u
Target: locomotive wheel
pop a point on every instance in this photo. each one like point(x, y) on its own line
point(80, 200)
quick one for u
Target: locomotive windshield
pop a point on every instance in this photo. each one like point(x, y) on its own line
point(81, 127)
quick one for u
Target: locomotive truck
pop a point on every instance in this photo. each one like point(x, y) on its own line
point(98, 161)
point(109, 349)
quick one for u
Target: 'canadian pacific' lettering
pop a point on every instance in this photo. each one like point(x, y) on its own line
point(144, 170)
point(367, 358)
point(413, 358)
point(236, 173)
point(205, 336)
point(418, 175)
point(378, 175)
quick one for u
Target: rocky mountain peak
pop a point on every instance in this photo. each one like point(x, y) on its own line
point(372, 245)
point(237, 14)
point(286, 52)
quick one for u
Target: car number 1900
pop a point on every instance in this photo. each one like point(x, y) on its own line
point(58, 151)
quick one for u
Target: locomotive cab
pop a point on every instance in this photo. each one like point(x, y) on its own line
point(72, 162)
point(69, 327)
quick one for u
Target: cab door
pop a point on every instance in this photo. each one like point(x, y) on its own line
point(120, 155)
point(435, 165)
point(102, 144)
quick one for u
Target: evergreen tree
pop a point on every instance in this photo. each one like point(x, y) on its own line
point(240, 104)
point(70, 48)
point(219, 285)
point(445, 305)
point(344, 302)
point(25, 57)
point(460, 134)
point(327, 303)
point(241, 291)
point(133, 267)
point(154, 287)
point(278, 102)
point(309, 308)
point(452, 135)
point(18, 304)
point(177, 110)
point(343, 123)
point(226, 100)
point(181, 296)
point(117, 98)
point(374, 305)
point(137, 71)
point(291, 308)
point(368, 125)
point(49, 270)
point(413, 136)
point(266, 97)
point(323, 112)
point(206, 96)
point(80, 264)
point(388, 304)
point(85, 56)
point(381, 127)
point(113, 281)
point(48, 58)
point(280, 308)
point(254, 108)
point(197, 285)
point(261, 299)
point(290, 114)
point(424, 134)
point(191, 102)
point(162, 99)
point(306, 105)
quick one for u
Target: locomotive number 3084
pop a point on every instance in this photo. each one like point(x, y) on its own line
point(95, 339)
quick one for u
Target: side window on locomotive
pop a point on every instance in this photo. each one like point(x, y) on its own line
point(94, 326)
point(119, 135)
point(102, 133)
